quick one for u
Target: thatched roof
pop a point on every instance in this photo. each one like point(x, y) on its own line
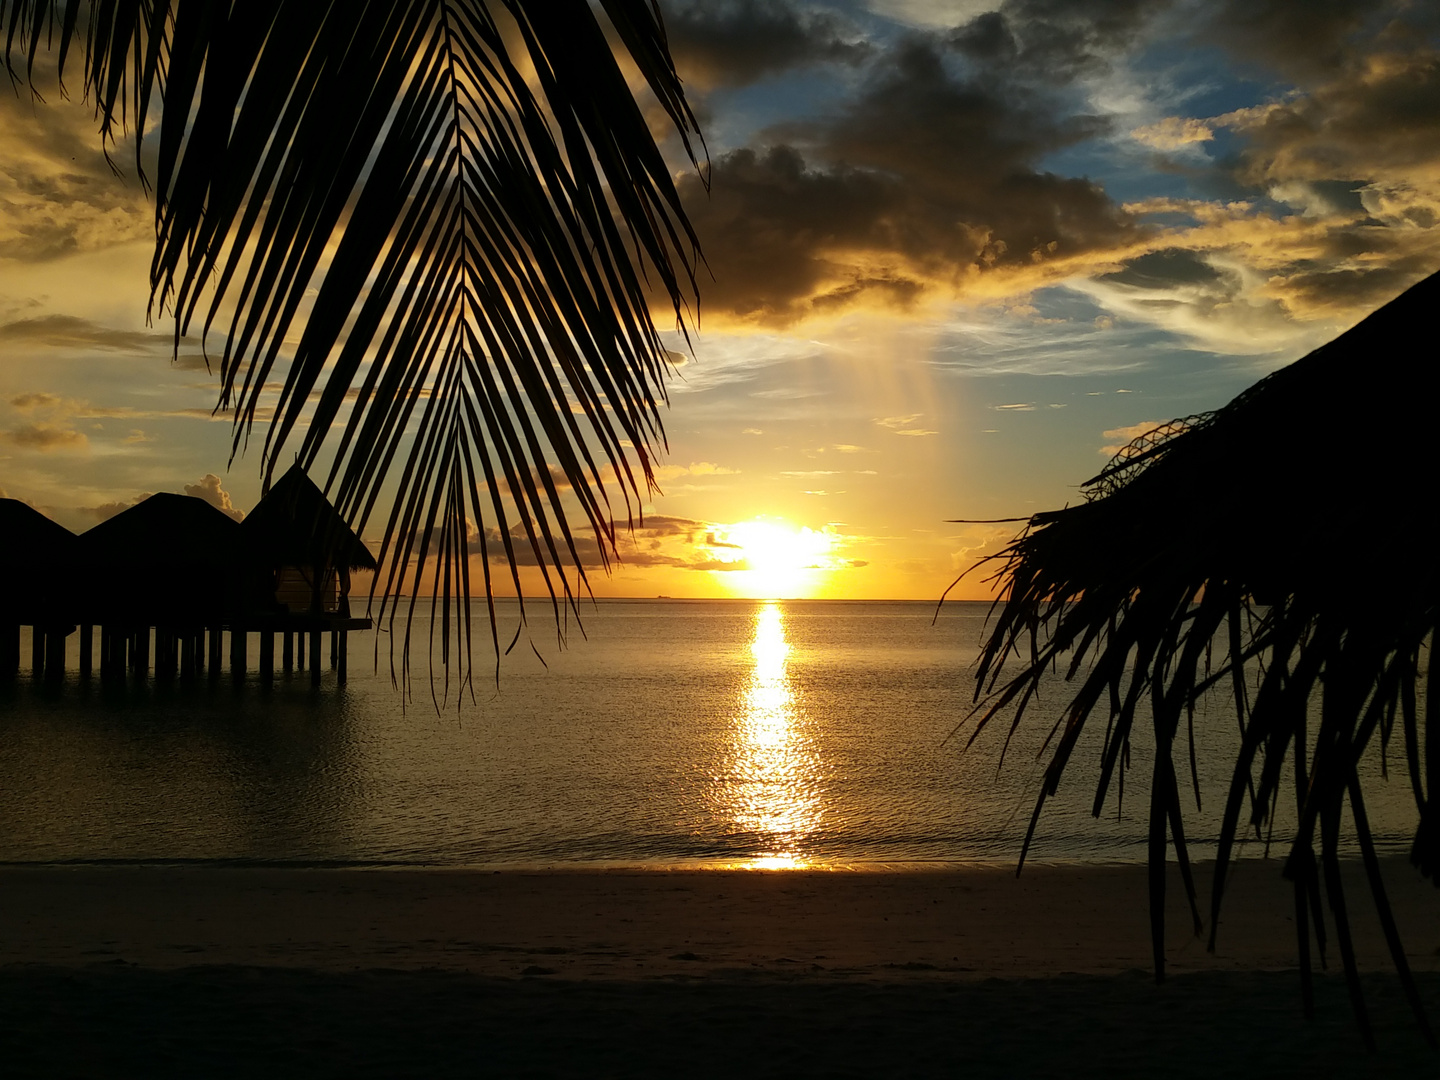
point(162, 531)
point(1298, 525)
point(32, 541)
point(1315, 481)
point(295, 525)
point(169, 560)
point(39, 560)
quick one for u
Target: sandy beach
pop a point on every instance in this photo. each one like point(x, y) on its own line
point(150, 970)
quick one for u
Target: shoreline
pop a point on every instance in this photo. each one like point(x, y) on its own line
point(218, 972)
point(972, 922)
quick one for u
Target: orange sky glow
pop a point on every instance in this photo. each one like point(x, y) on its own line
point(950, 275)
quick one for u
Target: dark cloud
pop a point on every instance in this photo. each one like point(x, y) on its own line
point(658, 525)
point(716, 564)
point(58, 194)
point(1053, 41)
point(197, 361)
point(737, 42)
point(643, 547)
point(676, 542)
point(1360, 155)
point(925, 180)
point(1168, 268)
point(1383, 115)
point(775, 231)
point(66, 331)
point(1356, 287)
point(1299, 40)
point(44, 437)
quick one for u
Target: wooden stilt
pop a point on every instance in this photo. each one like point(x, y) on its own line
point(217, 651)
point(55, 653)
point(186, 641)
point(164, 655)
point(315, 657)
point(37, 652)
point(87, 650)
point(140, 657)
point(341, 666)
point(287, 648)
point(237, 652)
point(267, 656)
point(299, 650)
point(197, 642)
point(334, 649)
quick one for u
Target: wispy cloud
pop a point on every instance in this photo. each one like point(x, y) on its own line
point(1118, 438)
point(905, 425)
point(45, 437)
point(1174, 133)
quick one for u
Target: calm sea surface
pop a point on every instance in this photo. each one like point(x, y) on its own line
point(678, 732)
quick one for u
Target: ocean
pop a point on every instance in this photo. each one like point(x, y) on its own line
point(670, 733)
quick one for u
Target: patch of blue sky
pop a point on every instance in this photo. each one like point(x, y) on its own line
point(1120, 167)
point(1069, 334)
point(764, 112)
point(1201, 81)
point(887, 22)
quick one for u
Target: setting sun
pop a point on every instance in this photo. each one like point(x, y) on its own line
point(779, 560)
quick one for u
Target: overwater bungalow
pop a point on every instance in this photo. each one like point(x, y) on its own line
point(166, 563)
point(303, 548)
point(168, 578)
point(40, 559)
point(299, 555)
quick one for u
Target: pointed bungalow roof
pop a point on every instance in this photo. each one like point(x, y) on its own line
point(295, 525)
point(163, 530)
point(39, 558)
point(1299, 527)
point(31, 539)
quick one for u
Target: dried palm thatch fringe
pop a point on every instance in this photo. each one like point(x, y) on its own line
point(426, 231)
point(1294, 534)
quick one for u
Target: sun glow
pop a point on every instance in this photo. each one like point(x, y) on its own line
point(771, 560)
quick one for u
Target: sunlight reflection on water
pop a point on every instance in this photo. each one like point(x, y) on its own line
point(772, 789)
point(678, 733)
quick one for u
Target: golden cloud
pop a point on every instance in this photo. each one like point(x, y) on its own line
point(209, 488)
point(45, 437)
point(58, 194)
point(1173, 133)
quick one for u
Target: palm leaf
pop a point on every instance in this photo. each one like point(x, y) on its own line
point(1235, 529)
point(425, 233)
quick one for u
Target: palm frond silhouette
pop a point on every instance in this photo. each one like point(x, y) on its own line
point(424, 233)
point(1219, 551)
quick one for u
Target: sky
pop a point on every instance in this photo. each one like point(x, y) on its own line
point(957, 253)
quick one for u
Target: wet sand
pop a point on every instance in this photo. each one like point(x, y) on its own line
point(208, 971)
